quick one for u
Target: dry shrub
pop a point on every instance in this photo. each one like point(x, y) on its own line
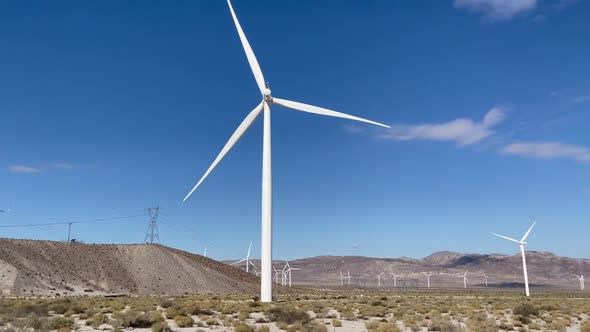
point(288, 315)
point(184, 321)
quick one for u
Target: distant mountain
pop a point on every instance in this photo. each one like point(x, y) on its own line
point(50, 268)
point(544, 268)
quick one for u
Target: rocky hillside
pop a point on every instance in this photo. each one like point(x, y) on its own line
point(49, 268)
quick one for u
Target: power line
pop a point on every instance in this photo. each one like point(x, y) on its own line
point(70, 222)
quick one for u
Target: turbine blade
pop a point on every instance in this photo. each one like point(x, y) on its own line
point(528, 232)
point(232, 140)
point(254, 265)
point(322, 111)
point(238, 262)
point(249, 53)
point(249, 247)
point(507, 238)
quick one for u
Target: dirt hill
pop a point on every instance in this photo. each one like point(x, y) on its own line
point(48, 268)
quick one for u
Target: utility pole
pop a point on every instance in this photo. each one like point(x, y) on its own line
point(152, 235)
point(69, 231)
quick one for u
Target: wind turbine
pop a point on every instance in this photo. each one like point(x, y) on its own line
point(394, 279)
point(289, 275)
point(284, 275)
point(247, 259)
point(264, 107)
point(465, 280)
point(276, 275)
point(486, 278)
point(428, 277)
point(379, 278)
point(341, 278)
point(522, 243)
point(581, 278)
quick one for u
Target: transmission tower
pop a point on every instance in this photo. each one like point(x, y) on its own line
point(152, 235)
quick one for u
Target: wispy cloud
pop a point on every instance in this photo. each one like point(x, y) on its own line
point(498, 10)
point(23, 169)
point(46, 167)
point(547, 150)
point(63, 165)
point(580, 99)
point(462, 131)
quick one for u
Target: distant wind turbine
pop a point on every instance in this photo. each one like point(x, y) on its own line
point(379, 278)
point(486, 278)
point(341, 278)
point(465, 279)
point(581, 278)
point(522, 243)
point(394, 279)
point(428, 277)
point(264, 107)
point(247, 260)
point(348, 276)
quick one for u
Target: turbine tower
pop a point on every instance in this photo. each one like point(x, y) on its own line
point(522, 243)
point(348, 276)
point(264, 107)
point(152, 235)
point(341, 278)
point(486, 279)
point(428, 277)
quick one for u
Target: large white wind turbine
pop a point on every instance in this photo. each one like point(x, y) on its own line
point(428, 277)
point(247, 260)
point(581, 278)
point(522, 244)
point(264, 107)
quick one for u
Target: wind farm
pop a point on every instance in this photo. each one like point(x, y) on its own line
point(385, 209)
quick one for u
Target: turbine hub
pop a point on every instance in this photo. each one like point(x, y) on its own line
point(267, 95)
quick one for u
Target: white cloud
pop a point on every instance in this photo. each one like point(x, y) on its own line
point(547, 150)
point(462, 131)
point(580, 99)
point(498, 10)
point(62, 165)
point(23, 169)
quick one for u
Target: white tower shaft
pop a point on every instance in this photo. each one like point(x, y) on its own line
point(266, 252)
point(526, 277)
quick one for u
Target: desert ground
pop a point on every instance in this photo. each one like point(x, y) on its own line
point(304, 310)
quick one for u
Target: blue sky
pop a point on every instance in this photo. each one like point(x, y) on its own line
point(109, 107)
